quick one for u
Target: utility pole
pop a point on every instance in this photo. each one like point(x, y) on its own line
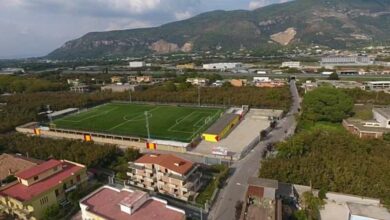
point(147, 123)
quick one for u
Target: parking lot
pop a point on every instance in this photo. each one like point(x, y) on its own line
point(246, 132)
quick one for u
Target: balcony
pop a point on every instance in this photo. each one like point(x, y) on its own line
point(136, 167)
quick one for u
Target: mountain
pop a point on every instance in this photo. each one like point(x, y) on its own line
point(333, 23)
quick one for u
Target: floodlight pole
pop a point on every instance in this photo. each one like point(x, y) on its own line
point(199, 96)
point(147, 124)
point(130, 95)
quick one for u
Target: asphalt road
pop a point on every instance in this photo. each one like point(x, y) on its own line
point(235, 188)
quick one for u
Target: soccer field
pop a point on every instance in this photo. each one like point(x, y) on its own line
point(165, 122)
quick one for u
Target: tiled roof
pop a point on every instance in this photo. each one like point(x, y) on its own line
point(169, 161)
point(36, 170)
point(104, 203)
point(24, 193)
point(13, 163)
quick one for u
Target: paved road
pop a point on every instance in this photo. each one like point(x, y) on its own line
point(224, 208)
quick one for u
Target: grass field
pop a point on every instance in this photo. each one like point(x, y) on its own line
point(165, 122)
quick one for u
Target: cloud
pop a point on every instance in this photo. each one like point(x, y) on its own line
point(261, 3)
point(36, 27)
point(183, 15)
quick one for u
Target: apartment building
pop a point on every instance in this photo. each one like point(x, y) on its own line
point(40, 187)
point(167, 174)
point(124, 204)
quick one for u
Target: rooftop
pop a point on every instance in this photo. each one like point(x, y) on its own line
point(369, 211)
point(383, 111)
point(25, 193)
point(11, 164)
point(360, 124)
point(36, 170)
point(221, 124)
point(104, 203)
point(267, 183)
point(169, 161)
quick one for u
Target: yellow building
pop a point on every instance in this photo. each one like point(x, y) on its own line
point(221, 128)
point(40, 187)
point(189, 66)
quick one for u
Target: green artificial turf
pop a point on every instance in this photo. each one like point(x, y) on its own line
point(165, 122)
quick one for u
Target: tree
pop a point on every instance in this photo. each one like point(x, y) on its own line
point(239, 206)
point(327, 104)
point(51, 212)
point(333, 76)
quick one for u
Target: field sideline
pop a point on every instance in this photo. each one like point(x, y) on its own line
point(165, 122)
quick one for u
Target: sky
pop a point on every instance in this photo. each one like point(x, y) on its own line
point(36, 27)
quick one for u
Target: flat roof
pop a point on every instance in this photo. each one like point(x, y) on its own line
point(383, 111)
point(268, 183)
point(21, 192)
point(221, 123)
point(105, 203)
point(369, 211)
point(11, 164)
point(359, 124)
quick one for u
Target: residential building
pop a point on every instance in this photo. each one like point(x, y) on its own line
point(222, 66)
point(198, 81)
point(125, 204)
point(270, 84)
point(379, 85)
point(139, 79)
point(382, 116)
point(367, 212)
point(137, 64)
point(40, 187)
point(10, 164)
point(370, 129)
point(341, 84)
point(331, 62)
point(291, 64)
point(261, 79)
point(309, 86)
point(121, 88)
point(188, 66)
point(116, 79)
point(238, 82)
point(10, 71)
point(365, 129)
point(167, 174)
point(80, 88)
point(261, 201)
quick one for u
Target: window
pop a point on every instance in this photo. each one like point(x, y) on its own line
point(55, 169)
point(71, 182)
point(44, 200)
point(57, 192)
point(64, 186)
point(36, 178)
point(78, 178)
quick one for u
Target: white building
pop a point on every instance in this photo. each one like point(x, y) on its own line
point(331, 62)
point(137, 64)
point(379, 85)
point(222, 66)
point(382, 115)
point(367, 212)
point(261, 79)
point(292, 64)
point(198, 81)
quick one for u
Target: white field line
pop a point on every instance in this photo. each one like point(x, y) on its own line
point(132, 119)
point(177, 123)
point(92, 116)
point(201, 127)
